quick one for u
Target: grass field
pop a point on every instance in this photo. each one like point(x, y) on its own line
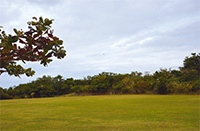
point(114, 112)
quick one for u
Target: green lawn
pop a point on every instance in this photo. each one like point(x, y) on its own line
point(114, 112)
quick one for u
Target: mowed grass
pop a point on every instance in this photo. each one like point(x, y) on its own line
point(112, 112)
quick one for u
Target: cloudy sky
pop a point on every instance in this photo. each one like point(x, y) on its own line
point(118, 36)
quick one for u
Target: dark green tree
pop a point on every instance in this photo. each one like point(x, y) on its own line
point(161, 79)
point(4, 94)
point(192, 63)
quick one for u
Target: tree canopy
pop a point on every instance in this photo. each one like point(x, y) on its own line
point(36, 44)
point(192, 63)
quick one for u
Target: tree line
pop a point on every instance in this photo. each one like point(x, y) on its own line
point(185, 80)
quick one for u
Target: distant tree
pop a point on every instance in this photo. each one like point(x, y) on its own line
point(191, 68)
point(140, 87)
point(67, 85)
point(58, 83)
point(192, 63)
point(4, 94)
point(161, 79)
point(36, 44)
point(101, 84)
point(191, 71)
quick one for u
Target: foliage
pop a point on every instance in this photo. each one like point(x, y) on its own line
point(183, 81)
point(192, 63)
point(36, 44)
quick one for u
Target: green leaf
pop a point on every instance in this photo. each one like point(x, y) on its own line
point(49, 60)
point(15, 39)
point(43, 28)
point(29, 22)
point(29, 72)
point(34, 23)
point(45, 51)
point(41, 20)
point(60, 42)
point(48, 22)
point(15, 30)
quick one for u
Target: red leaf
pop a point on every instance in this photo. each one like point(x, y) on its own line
point(35, 50)
point(21, 41)
point(36, 35)
point(50, 35)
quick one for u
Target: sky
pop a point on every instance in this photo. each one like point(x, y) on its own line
point(119, 36)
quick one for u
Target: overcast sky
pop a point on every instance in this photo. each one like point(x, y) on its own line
point(117, 36)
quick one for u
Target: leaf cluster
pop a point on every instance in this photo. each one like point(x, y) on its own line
point(36, 44)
